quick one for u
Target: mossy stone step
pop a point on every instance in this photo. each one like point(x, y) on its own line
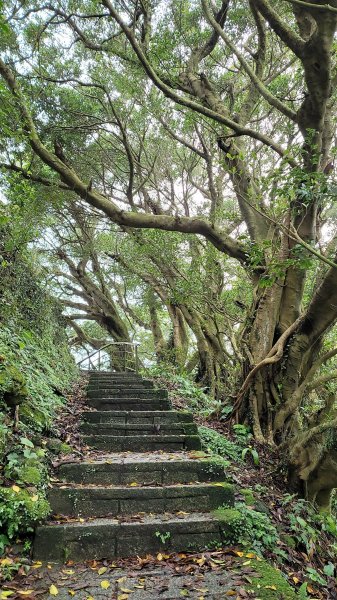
point(138, 429)
point(150, 417)
point(144, 443)
point(114, 470)
point(130, 404)
point(127, 393)
point(117, 501)
point(118, 384)
point(110, 538)
point(106, 375)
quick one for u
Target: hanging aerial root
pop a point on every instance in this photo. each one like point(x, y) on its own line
point(273, 356)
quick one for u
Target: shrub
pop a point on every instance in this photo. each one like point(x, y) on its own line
point(218, 444)
point(20, 511)
point(247, 527)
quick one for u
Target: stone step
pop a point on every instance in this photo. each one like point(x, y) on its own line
point(150, 417)
point(113, 376)
point(118, 501)
point(112, 385)
point(127, 393)
point(142, 443)
point(138, 429)
point(156, 468)
point(129, 404)
point(112, 538)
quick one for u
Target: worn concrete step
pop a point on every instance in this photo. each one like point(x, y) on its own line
point(113, 385)
point(154, 468)
point(113, 376)
point(127, 393)
point(150, 417)
point(138, 429)
point(129, 404)
point(143, 443)
point(117, 501)
point(111, 538)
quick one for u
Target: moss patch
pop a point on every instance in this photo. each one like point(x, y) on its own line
point(270, 584)
point(248, 496)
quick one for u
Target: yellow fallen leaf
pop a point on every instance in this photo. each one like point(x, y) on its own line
point(230, 593)
point(296, 580)
point(159, 556)
point(122, 597)
point(16, 488)
point(270, 587)
point(247, 562)
point(81, 520)
point(121, 579)
point(134, 484)
point(238, 553)
point(90, 598)
point(71, 592)
point(126, 591)
point(25, 592)
point(105, 584)
point(37, 564)
point(139, 587)
point(250, 555)
point(68, 571)
point(102, 570)
point(6, 561)
point(53, 590)
point(34, 498)
point(6, 594)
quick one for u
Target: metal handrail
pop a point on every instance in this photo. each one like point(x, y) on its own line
point(99, 364)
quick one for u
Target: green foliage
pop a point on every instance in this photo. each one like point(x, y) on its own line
point(218, 444)
point(247, 527)
point(181, 386)
point(20, 511)
point(13, 388)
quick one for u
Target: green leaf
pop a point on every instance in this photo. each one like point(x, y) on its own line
point(25, 442)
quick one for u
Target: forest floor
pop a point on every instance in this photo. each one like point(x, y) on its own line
point(230, 572)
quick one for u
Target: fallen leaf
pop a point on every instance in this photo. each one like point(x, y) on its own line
point(6, 561)
point(134, 484)
point(126, 591)
point(102, 570)
point(68, 571)
point(270, 587)
point(105, 584)
point(37, 564)
point(247, 562)
point(25, 592)
point(250, 555)
point(16, 488)
point(53, 590)
point(238, 553)
point(159, 556)
point(34, 498)
point(6, 593)
point(230, 593)
point(71, 592)
point(296, 580)
point(122, 597)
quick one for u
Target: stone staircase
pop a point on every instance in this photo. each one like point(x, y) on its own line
point(143, 492)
